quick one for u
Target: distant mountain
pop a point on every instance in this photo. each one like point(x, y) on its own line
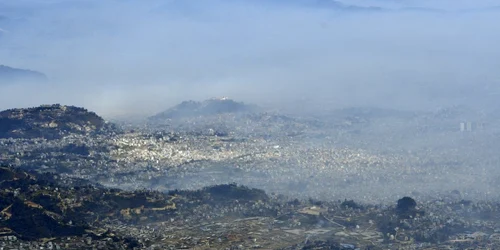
point(50, 122)
point(188, 7)
point(8, 74)
point(487, 9)
point(325, 4)
point(422, 9)
point(210, 107)
point(4, 24)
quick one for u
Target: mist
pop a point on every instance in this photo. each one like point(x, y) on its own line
point(140, 57)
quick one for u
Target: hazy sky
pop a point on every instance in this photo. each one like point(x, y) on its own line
point(132, 56)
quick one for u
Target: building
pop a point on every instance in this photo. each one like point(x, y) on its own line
point(469, 126)
point(462, 126)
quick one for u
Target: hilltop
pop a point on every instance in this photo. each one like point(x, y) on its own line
point(49, 122)
point(211, 107)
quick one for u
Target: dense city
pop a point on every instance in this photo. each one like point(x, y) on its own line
point(220, 174)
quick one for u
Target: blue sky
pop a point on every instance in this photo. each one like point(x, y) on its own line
point(142, 56)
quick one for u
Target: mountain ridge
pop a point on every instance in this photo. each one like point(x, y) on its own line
point(9, 74)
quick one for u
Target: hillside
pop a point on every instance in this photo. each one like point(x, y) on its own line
point(36, 209)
